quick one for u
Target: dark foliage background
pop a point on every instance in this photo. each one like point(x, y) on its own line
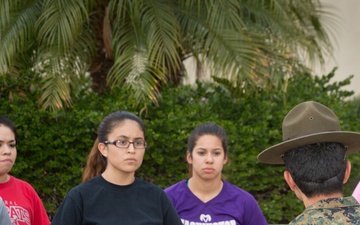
point(53, 145)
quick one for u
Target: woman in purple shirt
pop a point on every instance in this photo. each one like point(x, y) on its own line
point(205, 198)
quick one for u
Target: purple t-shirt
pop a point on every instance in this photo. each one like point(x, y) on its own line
point(232, 206)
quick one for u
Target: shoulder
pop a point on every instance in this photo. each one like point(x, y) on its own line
point(177, 187)
point(20, 182)
point(83, 190)
point(239, 197)
point(310, 217)
point(146, 190)
point(335, 210)
point(89, 185)
point(24, 185)
point(145, 184)
point(86, 191)
point(143, 187)
point(178, 192)
point(22, 189)
point(235, 191)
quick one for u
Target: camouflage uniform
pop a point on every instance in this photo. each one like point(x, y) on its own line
point(331, 211)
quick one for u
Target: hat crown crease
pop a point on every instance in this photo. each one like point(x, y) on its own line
point(308, 119)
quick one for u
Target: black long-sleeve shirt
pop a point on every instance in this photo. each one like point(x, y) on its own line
point(102, 203)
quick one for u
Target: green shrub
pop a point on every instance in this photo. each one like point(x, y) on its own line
point(53, 145)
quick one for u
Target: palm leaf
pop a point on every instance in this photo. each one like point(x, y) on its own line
point(16, 30)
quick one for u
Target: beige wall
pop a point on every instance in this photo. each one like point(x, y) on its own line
point(347, 50)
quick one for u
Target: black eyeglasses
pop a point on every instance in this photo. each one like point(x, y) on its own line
point(140, 144)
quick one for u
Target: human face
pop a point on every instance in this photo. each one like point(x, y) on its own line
point(123, 160)
point(207, 158)
point(7, 151)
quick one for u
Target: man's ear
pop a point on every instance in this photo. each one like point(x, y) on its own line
point(290, 181)
point(103, 149)
point(347, 171)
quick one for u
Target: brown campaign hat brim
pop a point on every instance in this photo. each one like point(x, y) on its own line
point(273, 155)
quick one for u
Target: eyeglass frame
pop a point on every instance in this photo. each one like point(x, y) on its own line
point(129, 143)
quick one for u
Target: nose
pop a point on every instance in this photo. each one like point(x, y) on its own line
point(209, 158)
point(5, 149)
point(131, 148)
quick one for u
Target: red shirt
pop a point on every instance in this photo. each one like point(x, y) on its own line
point(23, 203)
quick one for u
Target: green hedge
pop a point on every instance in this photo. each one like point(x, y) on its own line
point(53, 145)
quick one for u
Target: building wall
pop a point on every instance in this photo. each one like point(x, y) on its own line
point(346, 44)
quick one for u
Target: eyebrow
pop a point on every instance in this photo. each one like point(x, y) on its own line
point(126, 137)
point(11, 141)
point(121, 136)
point(213, 149)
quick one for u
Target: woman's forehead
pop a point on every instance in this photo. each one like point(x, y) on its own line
point(127, 128)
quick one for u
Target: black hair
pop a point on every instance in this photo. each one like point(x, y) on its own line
point(10, 124)
point(207, 129)
point(112, 120)
point(96, 163)
point(317, 169)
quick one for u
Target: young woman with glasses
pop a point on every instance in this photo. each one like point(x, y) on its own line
point(110, 193)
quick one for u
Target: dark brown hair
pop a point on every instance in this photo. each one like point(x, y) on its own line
point(206, 129)
point(96, 163)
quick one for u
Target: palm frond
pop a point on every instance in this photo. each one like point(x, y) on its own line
point(224, 40)
point(61, 22)
point(142, 45)
point(17, 32)
point(159, 21)
point(248, 42)
point(55, 87)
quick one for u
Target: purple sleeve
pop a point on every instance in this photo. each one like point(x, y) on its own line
point(254, 215)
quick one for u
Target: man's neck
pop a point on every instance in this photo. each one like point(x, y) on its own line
point(309, 201)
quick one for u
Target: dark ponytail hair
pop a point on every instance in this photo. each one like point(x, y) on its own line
point(96, 163)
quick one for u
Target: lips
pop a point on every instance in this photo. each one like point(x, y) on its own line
point(208, 170)
point(6, 161)
point(130, 160)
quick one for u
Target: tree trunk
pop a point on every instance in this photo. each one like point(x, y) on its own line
point(103, 59)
